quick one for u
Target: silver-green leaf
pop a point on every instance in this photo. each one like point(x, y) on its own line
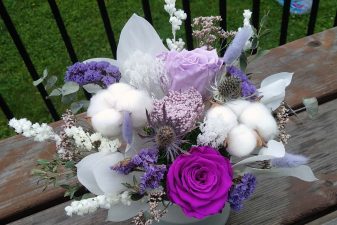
point(69, 88)
point(55, 92)
point(92, 88)
point(51, 82)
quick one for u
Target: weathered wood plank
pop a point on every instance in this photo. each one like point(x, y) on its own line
point(276, 201)
point(18, 189)
point(313, 60)
point(330, 219)
point(56, 216)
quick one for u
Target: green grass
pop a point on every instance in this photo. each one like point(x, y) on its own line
point(39, 33)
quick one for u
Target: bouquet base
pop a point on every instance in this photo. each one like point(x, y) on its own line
point(176, 217)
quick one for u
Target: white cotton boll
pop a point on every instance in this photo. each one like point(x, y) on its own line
point(238, 106)
point(223, 112)
point(241, 141)
point(258, 117)
point(107, 122)
point(136, 102)
point(99, 102)
point(119, 89)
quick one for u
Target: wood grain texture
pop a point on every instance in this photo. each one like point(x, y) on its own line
point(330, 219)
point(18, 189)
point(56, 216)
point(276, 201)
point(313, 60)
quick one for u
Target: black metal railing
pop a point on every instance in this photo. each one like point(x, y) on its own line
point(111, 37)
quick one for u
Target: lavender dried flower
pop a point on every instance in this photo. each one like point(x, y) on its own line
point(241, 191)
point(236, 47)
point(101, 73)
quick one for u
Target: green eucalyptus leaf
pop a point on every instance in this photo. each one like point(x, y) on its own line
point(70, 88)
point(51, 82)
point(67, 99)
point(42, 162)
point(41, 79)
point(92, 88)
point(45, 73)
point(55, 92)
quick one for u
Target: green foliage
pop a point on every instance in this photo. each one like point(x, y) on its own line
point(51, 172)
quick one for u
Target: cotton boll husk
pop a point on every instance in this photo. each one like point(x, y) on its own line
point(108, 122)
point(136, 102)
point(241, 141)
point(258, 117)
point(99, 102)
point(238, 106)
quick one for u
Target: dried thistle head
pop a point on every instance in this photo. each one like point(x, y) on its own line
point(165, 135)
point(228, 88)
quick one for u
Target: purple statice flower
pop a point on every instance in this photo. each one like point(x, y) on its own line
point(152, 177)
point(289, 160)
point(236, 47)
point(241, 191)
point(182, 108)
point(124, 167)
point(247, 88)
point(146, 157)
point(101, 73)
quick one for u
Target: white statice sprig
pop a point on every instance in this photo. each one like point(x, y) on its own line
point(176, 18)
point(40, 132)
point(90, 205)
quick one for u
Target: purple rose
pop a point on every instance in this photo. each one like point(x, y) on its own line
point(199, 182)
point(196, 68)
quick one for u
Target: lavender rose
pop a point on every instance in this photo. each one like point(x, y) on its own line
point(196, 68)
point(199, 182)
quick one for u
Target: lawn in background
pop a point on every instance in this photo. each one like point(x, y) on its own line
point(37, 28)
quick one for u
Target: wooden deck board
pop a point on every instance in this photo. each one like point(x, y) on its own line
point(313, 60)
point(276, 201)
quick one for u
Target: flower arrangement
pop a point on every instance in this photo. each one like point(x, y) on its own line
point(169, 127)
